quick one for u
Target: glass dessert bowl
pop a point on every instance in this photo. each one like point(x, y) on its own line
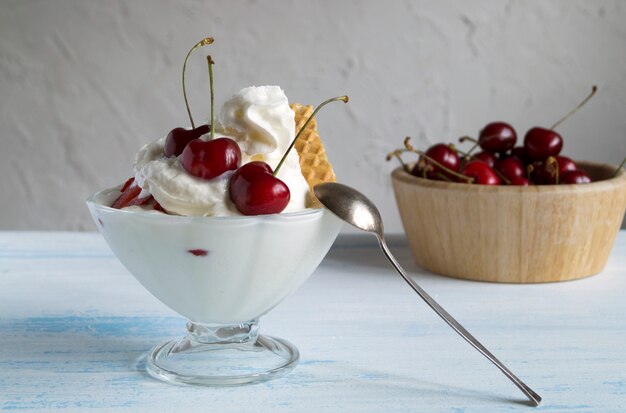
point(222, 274)
point(218, 223)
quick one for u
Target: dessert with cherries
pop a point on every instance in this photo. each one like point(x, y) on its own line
point(240, 164)
point(219, 223)
point(219, 220)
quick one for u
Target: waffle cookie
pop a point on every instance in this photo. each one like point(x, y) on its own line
point(314, 163)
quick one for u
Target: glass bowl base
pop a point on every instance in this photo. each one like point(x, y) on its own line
point(231, 360)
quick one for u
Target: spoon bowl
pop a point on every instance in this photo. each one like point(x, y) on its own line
point(351, 206)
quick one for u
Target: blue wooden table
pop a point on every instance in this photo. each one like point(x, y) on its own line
point(74, 326)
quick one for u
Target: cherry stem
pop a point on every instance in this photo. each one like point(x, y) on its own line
point(397, 154)
point(344, 99)
point(506, 181)
point(431, 160)
point(442, 176)
point(210, 62)
point(448, 170)
point(460, 152)
point(468, 154)
point(594, 88)
point(552, 162)
point(529, 171)
point(468, 138)
point(203, 42)
point(619, 167)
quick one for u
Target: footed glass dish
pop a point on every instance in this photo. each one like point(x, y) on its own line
point(222, 274)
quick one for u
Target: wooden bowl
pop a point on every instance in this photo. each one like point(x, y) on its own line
point(512, 234)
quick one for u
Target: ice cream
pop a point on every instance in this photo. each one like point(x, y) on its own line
point(260, 120)
point(225, 269)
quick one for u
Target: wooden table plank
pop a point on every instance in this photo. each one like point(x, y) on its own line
point(74, 326)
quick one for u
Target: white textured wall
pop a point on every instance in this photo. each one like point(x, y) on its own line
point(84, 83)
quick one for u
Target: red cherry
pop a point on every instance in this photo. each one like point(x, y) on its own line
point(487, 157)
point(126, 198)
point(142, 201)
point(545, 172)
point(519, 181)
point(123, 200)
point(419, 171)
point(127, 184)
point(198, 252)
point(130, 196)
point(565, 164)
point(576, 177)
point(158, 207)
point(511, 168)
point(255, 191)
point(520, 153)
point(541, 143)
point(208, 159)
point(442, 154)
point(497, 137)
point(481, 172)
point(178, 139)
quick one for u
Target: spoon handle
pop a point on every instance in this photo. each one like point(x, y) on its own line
point(532, 396)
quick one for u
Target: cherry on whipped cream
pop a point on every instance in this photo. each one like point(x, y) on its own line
point(255, 191)
point(208, 159)
point(127, 184)
point(178, 138)
point(158, 207)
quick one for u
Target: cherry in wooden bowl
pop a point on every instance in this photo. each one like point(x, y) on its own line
point(512, 234)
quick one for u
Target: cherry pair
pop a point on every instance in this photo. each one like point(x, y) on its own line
point(252, 188)
point(442, 162)
point(538, 157)
point(539, 143)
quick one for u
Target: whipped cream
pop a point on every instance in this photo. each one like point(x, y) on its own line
point(175, 189)
point(260, 120)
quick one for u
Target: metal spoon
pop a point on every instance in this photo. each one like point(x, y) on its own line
point(354, 208)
